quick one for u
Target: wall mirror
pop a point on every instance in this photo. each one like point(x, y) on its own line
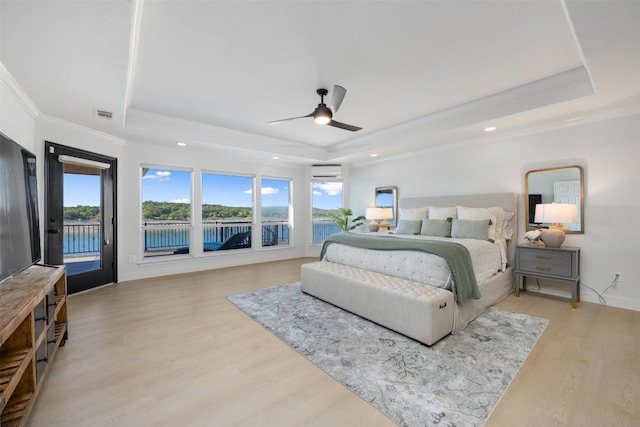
point(387, 197)
point(564, 184)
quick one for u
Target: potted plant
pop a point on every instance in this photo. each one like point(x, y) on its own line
point(345, 223)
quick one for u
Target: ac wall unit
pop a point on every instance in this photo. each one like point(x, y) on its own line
point(326, 171)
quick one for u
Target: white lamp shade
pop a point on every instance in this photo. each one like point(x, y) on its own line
point(387, 213)
point(374, 213)
point(556, 213)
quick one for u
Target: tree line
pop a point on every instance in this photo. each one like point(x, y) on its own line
point(168, 211)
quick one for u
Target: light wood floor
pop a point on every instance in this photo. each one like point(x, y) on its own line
point(172, 351)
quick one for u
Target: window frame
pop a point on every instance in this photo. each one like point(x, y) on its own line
point(145, 228)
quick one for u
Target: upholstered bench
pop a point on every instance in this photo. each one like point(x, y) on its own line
point(422, 312)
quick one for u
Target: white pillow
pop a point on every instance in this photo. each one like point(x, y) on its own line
point(414, 214)
point(498, 212)
point(507, 227)
point(442, 213)
point(478, 214)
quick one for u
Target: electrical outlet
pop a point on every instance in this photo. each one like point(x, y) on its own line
point(132, 258)
point(617, 277)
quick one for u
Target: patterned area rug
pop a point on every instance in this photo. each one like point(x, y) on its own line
point(455, 382)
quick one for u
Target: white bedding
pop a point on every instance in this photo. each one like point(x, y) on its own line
point(487, 258)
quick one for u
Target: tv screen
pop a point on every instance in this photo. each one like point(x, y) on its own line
point(19, 222)
point(534, 199)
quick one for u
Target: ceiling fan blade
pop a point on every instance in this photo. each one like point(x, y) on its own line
point(336, 98)
point(291, 118)
point(344, 126)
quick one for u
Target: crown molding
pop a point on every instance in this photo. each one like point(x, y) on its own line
point(13, 87)
point(82, 129)
point(561, 123)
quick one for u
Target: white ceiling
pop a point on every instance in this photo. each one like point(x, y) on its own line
point(418, 73)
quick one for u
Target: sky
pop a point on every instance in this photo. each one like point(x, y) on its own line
point(165, 185)
point(81, 190)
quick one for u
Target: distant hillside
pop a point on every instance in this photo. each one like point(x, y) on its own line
point(167, 211)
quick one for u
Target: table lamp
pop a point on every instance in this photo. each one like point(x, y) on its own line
point(555, 214)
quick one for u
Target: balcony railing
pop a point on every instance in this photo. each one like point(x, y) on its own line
point(81, 239)
point(86, 238)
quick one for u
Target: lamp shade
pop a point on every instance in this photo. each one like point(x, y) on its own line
point(387, 213)
point(374, 213)
point(556, 213)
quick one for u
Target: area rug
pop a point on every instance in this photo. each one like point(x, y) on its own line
point(456, 382)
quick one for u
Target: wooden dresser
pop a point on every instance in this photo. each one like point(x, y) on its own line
point(33, 324)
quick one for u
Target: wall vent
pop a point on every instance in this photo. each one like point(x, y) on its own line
point(107, 115)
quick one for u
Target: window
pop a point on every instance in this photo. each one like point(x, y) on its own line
point(227, 211)
point(326, 199)
point(166, 211)
point(275, 198)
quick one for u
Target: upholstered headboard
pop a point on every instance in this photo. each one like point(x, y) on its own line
point(507, 201)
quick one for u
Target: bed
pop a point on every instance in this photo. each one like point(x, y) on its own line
point(414, 281)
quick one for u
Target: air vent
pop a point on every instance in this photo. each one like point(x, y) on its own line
point(107, 115)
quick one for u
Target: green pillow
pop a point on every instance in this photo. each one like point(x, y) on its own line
point(409, 226)
point(470, 229)
point(436, 227)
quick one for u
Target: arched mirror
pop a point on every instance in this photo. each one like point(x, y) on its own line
point(555, 185)
point(387, 197)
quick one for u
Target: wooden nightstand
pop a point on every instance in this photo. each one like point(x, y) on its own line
point(561, 264)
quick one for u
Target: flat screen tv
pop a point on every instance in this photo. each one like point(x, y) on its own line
point(19, 222)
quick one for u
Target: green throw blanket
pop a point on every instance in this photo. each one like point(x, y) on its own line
point(456, 255)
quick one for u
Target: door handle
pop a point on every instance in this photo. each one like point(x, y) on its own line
point(53, 230)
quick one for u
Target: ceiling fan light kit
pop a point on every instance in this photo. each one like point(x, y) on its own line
point(323, 115)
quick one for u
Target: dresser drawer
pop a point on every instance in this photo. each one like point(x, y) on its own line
point(547, 257)
point(542, 268)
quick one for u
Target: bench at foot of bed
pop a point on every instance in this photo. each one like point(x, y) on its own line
point(419, 311)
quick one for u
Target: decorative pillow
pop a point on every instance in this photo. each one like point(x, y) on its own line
point(436, 227)
point(478, 214)
point(507, 227)
point(442, 213)
point(414, 214)
point(498, 213)
point(470, 229)
point(409, 226)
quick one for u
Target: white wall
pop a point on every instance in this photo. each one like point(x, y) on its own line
point(609, 152)
point(15, 120)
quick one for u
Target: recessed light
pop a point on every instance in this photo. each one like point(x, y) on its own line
point(490, 129)
point(182, 144)
point(275, 157)
point(374, 155)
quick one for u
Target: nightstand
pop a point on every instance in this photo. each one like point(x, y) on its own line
point(561, 264)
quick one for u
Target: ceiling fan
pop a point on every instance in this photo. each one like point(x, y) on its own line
point(324, 115)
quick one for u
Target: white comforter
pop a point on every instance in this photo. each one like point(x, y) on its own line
point(487, 259)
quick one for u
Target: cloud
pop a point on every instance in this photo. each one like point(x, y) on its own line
point(265, 191)
point(182, 200)
point(161, 175)
point(327, 188)
point(269, 190)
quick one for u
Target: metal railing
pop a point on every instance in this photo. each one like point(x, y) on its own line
point(85, 238)
point(322, 229)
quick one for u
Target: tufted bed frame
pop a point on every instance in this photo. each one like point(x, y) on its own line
point(419, 311)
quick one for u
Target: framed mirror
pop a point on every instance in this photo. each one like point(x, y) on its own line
point(387, 197)
point(564, 184)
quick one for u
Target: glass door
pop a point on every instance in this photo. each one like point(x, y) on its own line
point(80, 215)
